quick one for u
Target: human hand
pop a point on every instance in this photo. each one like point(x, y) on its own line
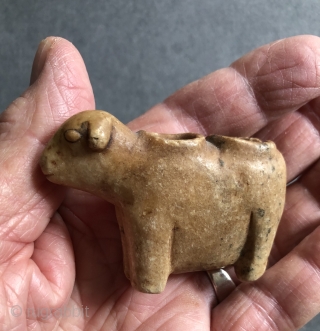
point(61, 247)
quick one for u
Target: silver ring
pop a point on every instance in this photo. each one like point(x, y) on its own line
point(222, 283)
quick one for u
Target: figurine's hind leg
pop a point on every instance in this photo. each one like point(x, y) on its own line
point(254, 255)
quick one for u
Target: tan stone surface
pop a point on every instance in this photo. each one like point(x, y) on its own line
point(184, 202)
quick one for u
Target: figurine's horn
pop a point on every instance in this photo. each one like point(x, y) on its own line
point(99, 133)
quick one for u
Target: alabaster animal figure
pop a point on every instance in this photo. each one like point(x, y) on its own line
point(184, 202)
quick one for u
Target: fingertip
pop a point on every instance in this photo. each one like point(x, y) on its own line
point(40, 57)
point(60, 84)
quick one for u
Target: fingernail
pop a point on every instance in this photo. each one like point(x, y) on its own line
point(40, 58)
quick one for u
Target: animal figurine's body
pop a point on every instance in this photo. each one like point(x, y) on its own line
point(184, 202)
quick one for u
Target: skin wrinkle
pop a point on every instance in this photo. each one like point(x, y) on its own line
point(247, 86)
point(230, 320)
point(63, 111)
point(280, 136)
point(313, 265)
point(127, 311)
point(262, 315)
point(52, 300)
point(9, 254)
point(140, 321)
point(93, 320)
point(250, 90)
point(291, 242)
point(62, 91)
point(52, 243)
point(85, 279)
point(34, 137)
point(174, 110)
point(66, 87)
point(55, 287)
point(10, 290)
point(75, 303)
point(274, 303)
point(150, 317)
point(162, 304)
point(278, 69)
point(181, 120)
point(308, 111)
point(270, 72)
point(194, 116)
point(26, 212)
point(312, 194)
point(171, 113)
point(217, 103)
point(106, 264)
point(176, 317)
point(270, 92)
point(304, 168)
point(292, 89)
point(8, 123)
point(12, 256)
point(64, 209)
point(310, 260)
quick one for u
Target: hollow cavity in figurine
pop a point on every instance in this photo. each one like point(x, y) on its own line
point(184, 202)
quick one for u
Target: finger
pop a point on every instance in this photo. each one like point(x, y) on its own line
point(60, 88)
point(46, 269)
point(300, 218)
point(265, 84)
point(302, 213)
point(285, 298)
point(297, 137)
point(96, 238)
point(54, 269)
point(53, 273)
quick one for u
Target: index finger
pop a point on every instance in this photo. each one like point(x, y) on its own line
point(263, 87)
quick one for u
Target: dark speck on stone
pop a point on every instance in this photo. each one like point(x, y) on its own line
point(261, 212)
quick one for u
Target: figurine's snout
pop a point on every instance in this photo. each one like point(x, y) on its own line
point(47, 164)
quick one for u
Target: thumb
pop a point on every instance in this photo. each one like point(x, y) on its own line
point(60, 87)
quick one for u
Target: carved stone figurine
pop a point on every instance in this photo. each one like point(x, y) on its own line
point(184, 202)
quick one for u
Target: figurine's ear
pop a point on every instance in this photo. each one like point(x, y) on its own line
point(99, 132)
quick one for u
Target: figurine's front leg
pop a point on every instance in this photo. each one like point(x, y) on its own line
point(151, 256)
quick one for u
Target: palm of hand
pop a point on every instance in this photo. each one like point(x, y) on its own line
point(271, 93)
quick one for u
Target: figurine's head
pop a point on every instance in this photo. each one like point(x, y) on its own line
point(73, 156)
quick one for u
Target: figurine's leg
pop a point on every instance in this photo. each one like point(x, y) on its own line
point(254, 255)
point(151, 264)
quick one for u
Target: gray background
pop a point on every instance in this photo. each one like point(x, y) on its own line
point(138, 52)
